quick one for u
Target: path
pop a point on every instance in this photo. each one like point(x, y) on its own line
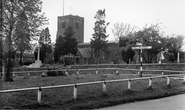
point(169, 103)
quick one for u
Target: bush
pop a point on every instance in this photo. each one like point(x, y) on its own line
point(54, 73)
point(27, 63)
point(51, 73)
point(51, 61)
point(115, 60)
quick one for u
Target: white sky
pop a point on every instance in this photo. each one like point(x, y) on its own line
point(171, 13)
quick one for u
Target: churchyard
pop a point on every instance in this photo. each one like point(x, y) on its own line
point(93, 95)
point(39, 73)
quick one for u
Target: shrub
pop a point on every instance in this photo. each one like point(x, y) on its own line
point(51, 73)
point(27, 62)
point(54, 73)
point(51, 61)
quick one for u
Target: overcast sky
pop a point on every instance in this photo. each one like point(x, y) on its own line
point(171, 13)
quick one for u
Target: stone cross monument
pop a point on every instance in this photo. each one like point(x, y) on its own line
point(37, 63)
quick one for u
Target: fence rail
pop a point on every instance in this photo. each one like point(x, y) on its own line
point(145, 64)
point(89, 83)
point(95, 82)
point(97, 69)
point(75, 86)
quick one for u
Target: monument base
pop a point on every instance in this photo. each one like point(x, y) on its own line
point(37, 64)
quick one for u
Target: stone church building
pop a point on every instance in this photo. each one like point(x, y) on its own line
point(76, 22)
point(85, 52)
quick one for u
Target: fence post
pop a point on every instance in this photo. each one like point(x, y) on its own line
point(162, 73)
point(96, 71)
point(104, 87)
point(117, 72)
point(178, 57)
point(75, 92)
point(168, 81)
point(77, 72)
point(150, 82)
point(129, 84)
point(39, 95)
point(3, 71)
point(43, 74)
point(28, 74)
point(13, 74)
point(141, 65)
point(66, 72)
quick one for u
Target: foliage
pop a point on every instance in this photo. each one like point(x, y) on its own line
point(1, 35)
point(45, 42)
point(128, 53)
point(45, 36)
point(149, 36)
point(173, 44)
point(29, 8)
point(123, 33)
point(22, 37)
point(27, 62)
point(126, 43)
point(98, 41)
point(65, 45)
point(12, 9)
point(58, 46)
point(70, 45)
point(122, 30)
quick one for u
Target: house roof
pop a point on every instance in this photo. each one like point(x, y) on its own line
point(84, 53)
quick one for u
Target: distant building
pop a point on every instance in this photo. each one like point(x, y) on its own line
point(85, 54)
point(76, 22)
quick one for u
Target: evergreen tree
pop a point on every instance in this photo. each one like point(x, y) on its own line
point(70, 45)
point(65, 45)
point(45, 42)
point(58, 47)
point(98, 41)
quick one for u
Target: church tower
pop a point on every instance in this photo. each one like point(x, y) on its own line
point(76, 22)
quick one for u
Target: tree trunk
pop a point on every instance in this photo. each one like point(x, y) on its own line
point(8, 74)
point(98, 56)
point(20, 58)
point(9, 65)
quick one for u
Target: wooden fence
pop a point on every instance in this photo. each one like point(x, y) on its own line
point(75, 86)
point(66, 71)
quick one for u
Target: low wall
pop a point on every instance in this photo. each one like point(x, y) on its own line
point(169, 66)
point(73, 68)
point(29, 69)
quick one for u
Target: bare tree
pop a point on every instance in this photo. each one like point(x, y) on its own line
point(122, 30)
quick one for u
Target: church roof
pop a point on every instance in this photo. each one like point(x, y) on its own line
point(84, 53)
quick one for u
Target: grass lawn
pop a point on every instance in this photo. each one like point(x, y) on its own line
point(88, 96)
